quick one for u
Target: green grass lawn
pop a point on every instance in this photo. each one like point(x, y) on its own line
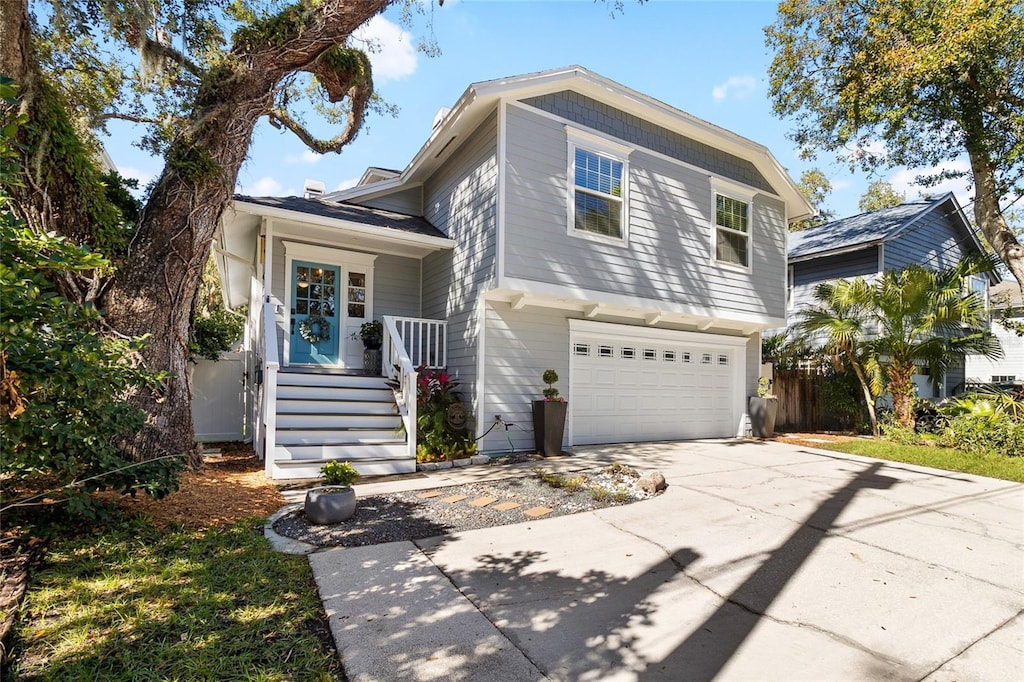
point(137, 604)
point(996, 466)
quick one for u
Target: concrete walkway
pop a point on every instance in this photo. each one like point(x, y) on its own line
point(760, 561)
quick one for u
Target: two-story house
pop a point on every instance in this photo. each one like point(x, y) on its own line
point(552, 220)
point(932, 232)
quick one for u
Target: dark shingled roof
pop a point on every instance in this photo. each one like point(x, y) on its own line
point(352, 213)
point(865, 228)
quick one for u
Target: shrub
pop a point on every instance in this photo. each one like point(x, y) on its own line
point(64, 384)
point(443, 427)
point(339, 473)
point(980, 433)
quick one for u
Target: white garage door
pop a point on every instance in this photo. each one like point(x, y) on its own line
point(631, 384)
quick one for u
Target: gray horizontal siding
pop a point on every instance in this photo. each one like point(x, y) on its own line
point(668, 258)
point(980, 368)
point(461, 201)
point(409, 202)
point(809, 274)
point(396, 283)
point(636, 131)
point(933, 242)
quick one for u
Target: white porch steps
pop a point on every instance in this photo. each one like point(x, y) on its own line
point(324, 416)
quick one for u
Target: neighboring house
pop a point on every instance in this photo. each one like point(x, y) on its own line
point(932, 232)
point(553, 220)
point(1010, 368)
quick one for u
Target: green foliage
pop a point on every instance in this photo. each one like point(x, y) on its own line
point(764, 388)
point(438, 435)
point(815, 187)
point(841, 394)
point(550, 377)
point(914, 316)
point(880, 194)
point(990, 422)
point(64, 384)
point(950, 459)
point(786, 352)
point(137, 603)
point(214, 329)
point(370, 331)
point(339, 473)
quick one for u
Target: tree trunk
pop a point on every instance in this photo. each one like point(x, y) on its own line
point(157, 283)
point(989, 218)
point(865, 388)
point(901, 386)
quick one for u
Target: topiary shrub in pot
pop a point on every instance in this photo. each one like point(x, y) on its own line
point(335, 501)
point(549, 417)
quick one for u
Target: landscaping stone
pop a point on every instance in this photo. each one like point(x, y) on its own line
point(652, 483)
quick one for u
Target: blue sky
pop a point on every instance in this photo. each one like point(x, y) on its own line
point(706, 58)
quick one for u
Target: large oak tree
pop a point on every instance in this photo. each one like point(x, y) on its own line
point(209, 70)
point(932, 79)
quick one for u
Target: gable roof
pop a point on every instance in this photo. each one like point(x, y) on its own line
point(876, 227)
point(352, 213)
point(480, 99)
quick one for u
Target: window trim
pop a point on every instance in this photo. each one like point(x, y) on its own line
point(736, 192)
point(601, 146)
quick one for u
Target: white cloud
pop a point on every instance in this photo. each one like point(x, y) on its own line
point(391, 49)
point(906, 181)
point(308, 156)
point(838, 185)
point(264, 187)
point(738, 87)
point(144, 177)
point(345, 184)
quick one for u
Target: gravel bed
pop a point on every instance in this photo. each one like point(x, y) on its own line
point(407, 516)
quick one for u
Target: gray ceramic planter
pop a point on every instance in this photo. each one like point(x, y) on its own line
point(330, 504)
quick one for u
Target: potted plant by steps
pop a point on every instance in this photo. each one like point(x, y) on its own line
point(372, 335)
point(549, 418)
point(335, 501)
point(762, 409)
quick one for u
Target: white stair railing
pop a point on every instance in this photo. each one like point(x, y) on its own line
point(399, 368)
point(425, 341)
point(270, 365)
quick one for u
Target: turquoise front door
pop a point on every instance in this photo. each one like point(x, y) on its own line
point(315, 320)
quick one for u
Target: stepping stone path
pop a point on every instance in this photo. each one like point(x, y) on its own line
point(481, 502)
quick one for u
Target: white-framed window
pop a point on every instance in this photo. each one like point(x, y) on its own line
point(669, 356)
point(650, 354)
point(977, 284)
point(582, 349)
point(627, 353)
point(1003, 378)
point(732, 231)
point(598, 181)
point(731, 223)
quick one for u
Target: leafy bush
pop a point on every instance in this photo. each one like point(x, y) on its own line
point(339, 473)
point(841, 395)
point(63, 383)
point(983, 424)
point(443, 427)
point(214, 329)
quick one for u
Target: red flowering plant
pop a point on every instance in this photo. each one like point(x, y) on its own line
point(443, 427)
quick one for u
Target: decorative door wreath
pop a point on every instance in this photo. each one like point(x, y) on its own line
point(315, 329)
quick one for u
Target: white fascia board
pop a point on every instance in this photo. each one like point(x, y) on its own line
point(308, 218)
point(371, 191)
point(571, 297)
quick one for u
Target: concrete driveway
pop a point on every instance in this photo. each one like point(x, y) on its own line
point(761, 561)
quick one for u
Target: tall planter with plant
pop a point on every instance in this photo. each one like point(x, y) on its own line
point(762, 409)
point(372, 335)
point(335, 501)
point(549, 417)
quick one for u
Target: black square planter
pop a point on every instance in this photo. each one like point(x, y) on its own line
point(548, 426)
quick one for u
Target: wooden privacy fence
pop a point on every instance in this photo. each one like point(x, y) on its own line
point(801, 400)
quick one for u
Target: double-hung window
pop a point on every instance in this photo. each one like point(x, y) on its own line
point(598, 174)
point(732, 225)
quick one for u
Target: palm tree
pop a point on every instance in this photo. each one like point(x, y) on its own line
point(905, 319)
point(839, 322)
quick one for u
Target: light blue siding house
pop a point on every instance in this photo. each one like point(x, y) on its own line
point(932, 232)
point(552, 220)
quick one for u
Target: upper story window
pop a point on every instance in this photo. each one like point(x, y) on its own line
point(977, 284)
point(599, 175)
point(732, 231)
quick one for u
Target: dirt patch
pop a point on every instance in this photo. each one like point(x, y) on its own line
point(811, 440)
point(230, 486)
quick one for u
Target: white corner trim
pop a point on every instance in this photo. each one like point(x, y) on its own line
point(502, 162)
